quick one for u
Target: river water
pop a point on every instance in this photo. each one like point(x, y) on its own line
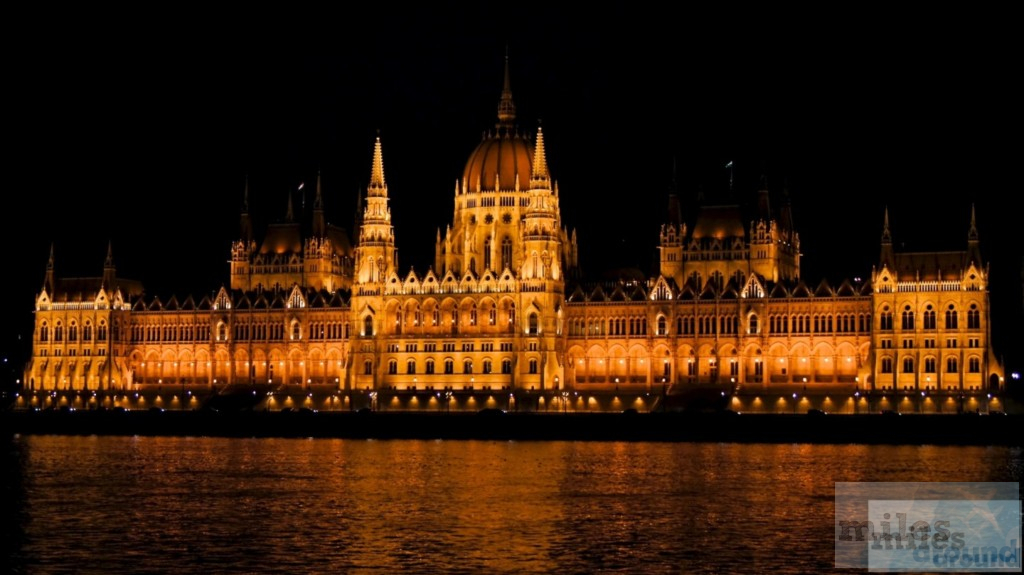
point(226, 505)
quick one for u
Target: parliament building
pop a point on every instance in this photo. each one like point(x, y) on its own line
point(313, 316)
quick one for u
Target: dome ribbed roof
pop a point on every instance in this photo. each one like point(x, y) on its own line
point(503, 155)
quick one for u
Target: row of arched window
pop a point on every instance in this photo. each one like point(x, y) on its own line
point(411, 366)
point(72, 333)
point(930, 365)
point(908, 320)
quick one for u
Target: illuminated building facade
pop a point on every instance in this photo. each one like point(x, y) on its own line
point(502, 311)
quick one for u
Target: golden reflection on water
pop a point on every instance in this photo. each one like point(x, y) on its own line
point(329, 505)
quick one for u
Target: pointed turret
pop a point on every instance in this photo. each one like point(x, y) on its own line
point(886, 257)
point(48, 279)
point(109, 271)
point(376, 235)
point(377, 185)
point(289, 215)
point(539, 176)
point(973, 248)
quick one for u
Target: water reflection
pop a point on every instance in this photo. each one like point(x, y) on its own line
point(182, 505)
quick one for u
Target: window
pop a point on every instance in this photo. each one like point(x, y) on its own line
point(506, 251)
point(393, 367)
point(72, 332)
point(973, 317)
point(885, 320)
point(908, 318)
point(662, 325)
point(449, 366)
point(296, 331)
point(467, 366)
point(929, 365)
point(753, 324)
point(908, 365)
point(87, 332)
point(951, 319)
point(487, 252)
point(487, 366)
point(886, 365)
point(951, 365)
point(532, 324)
point(929, 318)
point(410, 366)
point(368, 326)
point(430, 367)
point(974, 365)
point(506, 366)
point(533, 366)
point(44, 332)
point(734, 368)
point(368, 367)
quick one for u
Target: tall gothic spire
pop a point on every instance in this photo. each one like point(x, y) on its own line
point(377, 185)
point(319, 224)
point(972, 233)
point(48, 280)
point(886, 235)
point(289, 216)
point(506, 107)
point(539, 175)
point(109, 271)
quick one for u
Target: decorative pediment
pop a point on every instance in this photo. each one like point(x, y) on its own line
point(753, 288)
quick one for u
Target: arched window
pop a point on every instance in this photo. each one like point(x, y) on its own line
point(222, 332)
point(533, 366)
point(392, 367)
point(467, 366)
point(532, 329)
point(974, 365)
point(410, 366)
point(430, 367)
point(951, 319)
point(487, 253)
point(72, 332)
point(449, 366)
point(368, 326)
point(435, 316)
point(885, 320)
point(886, 365)
point(506, 253)
point(951, 365)
point(492, 316)
point(908, 365)
point(662, 325)
point(487, 366)
point(44, 332)
point(929, 365)
point(753, 324)
point(296, 331)
point(472, 265)
point(506, 366)
point(973, 317)
point(368, 367)
point(87, 332)
point(908, 318)
point(929, 317)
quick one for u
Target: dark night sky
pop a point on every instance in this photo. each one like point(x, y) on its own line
point(144, 134)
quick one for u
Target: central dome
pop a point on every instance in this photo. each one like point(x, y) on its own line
point(504, 155)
